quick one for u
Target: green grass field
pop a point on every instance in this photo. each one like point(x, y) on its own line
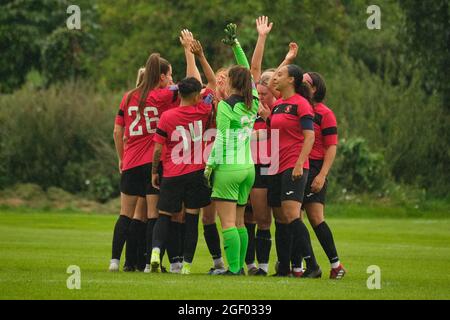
point(37, 247)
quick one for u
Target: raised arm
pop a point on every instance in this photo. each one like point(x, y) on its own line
point(263, 27)
point(289, 59)
point(231, 40)
point(197, 50)
point(186, 38)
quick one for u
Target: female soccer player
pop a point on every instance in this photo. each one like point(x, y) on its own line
point(138, 116)
point(183, 181)
point(230, 158)
point(260, 214)
point(321, 160)
point(292, 117)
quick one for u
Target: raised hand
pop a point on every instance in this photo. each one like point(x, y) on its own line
point(230, 34)
point(292, 53)
point(186, 38)
point(262, 25)
point(196, 48)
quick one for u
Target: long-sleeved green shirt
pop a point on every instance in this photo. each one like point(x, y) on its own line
point(231, 150)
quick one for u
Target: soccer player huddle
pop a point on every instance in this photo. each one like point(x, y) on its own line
point(245, 146)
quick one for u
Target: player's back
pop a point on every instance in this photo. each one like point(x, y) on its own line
point(141, 123)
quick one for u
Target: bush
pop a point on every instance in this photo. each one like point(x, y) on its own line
point(59, 137)
point(358, 169)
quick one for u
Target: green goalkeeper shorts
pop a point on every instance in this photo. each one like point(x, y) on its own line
point(233, 185)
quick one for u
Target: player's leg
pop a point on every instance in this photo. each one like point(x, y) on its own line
point(250, 225)
point(244, 192)
point(121, 229)
point(128, 198)
point(196, 196)
point(133, 250)
point(152, 217)
point(297, 255)
point(225, 195)
point(282, 236)
point(292, 197)
point(175, 242)
point(263, 218)
point(212, 238)
point(170, 202)
point(152, 198)
point(315, 212)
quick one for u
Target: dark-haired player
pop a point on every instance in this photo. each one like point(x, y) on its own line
point(292, 118)
point(181, 130)
point(321, 160)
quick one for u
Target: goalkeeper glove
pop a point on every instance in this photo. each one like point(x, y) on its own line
point(230, 34)
point(208, 175)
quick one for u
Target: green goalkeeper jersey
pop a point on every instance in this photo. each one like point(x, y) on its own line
point(231, 150)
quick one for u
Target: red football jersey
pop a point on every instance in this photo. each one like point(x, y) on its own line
point(325, 130)
point(181, 130)
point(286, 117)
point(140, 127)
point(261, 149)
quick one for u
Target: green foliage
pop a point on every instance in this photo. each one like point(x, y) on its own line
point(67, 55)
point(23, 26)
point(388, 87)
point(428, 33)
point(359, 169)
point(59, 137)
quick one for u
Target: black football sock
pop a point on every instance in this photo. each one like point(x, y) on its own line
point(283, 245)
point(250, 256)
point(141, 245)
point(302, 238)
point(296, 254)
point(181, 236)
point(131, 246)
point(325, 237)
point(149, 239)
point(263, 244)
point(191, 237)
point(120, 236)
point(212, 240)
point(173, 243)
point(161, 232)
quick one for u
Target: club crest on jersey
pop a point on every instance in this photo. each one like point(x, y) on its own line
point(288, 109)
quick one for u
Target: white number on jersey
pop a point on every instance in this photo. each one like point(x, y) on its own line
point(135, 128)
point(196, 133)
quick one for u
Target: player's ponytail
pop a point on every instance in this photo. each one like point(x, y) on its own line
point(154, 67)
point(241, 80)
point(301, 88)
point(319, 84)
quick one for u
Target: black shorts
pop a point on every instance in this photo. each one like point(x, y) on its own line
point(261, 180)
point(190, 189)
point(282, 188)
point(137, 181)
point(314, 168)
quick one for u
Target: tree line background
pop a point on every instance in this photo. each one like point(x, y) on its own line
point(60, 89)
